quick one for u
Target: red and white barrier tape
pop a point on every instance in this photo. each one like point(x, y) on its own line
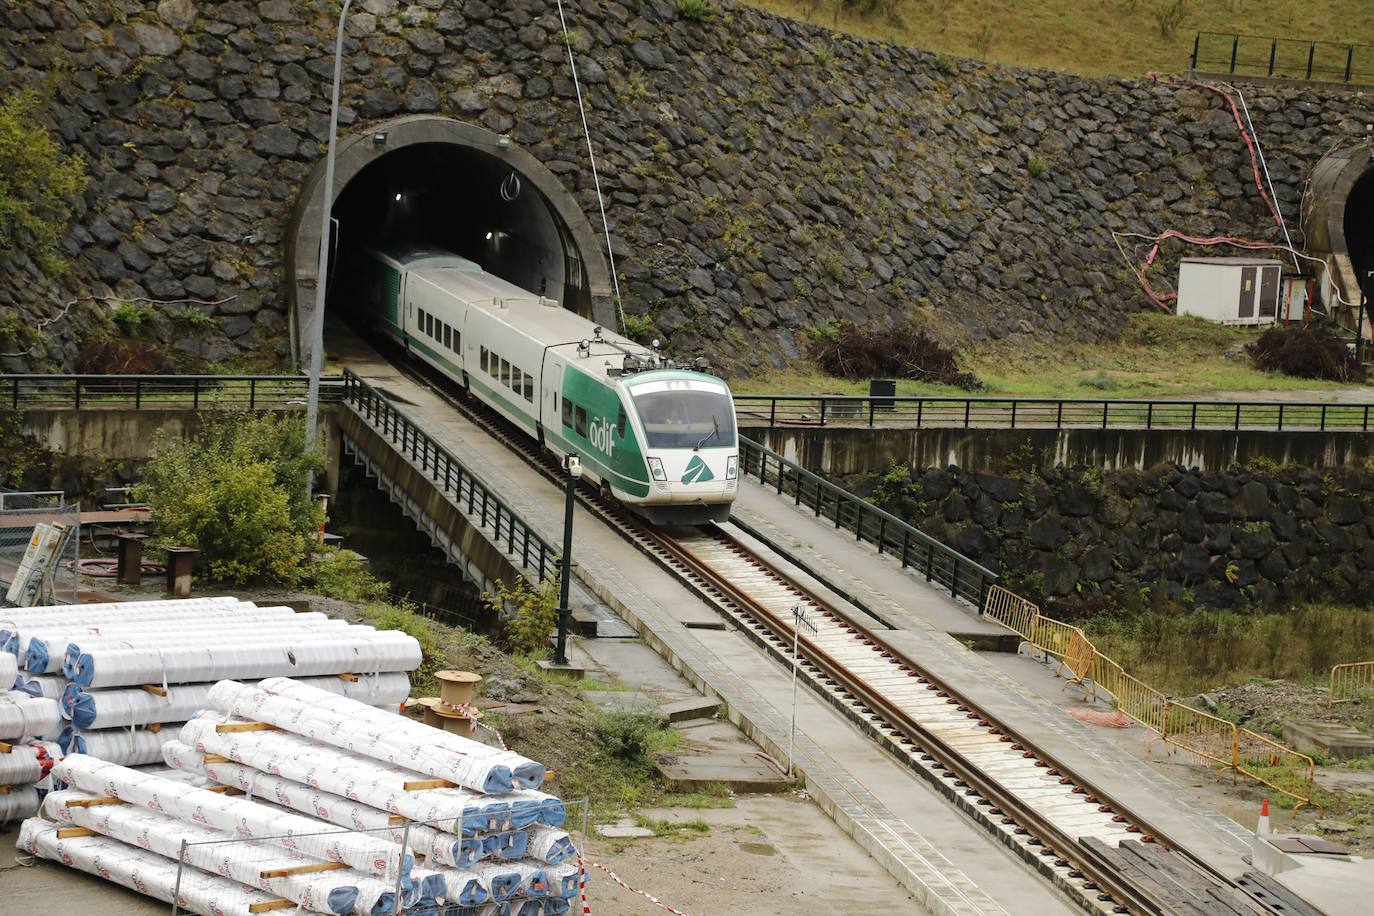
point(634, 890)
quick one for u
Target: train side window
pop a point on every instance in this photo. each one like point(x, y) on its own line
point(581, 417)
point(620, 421)
point(529, 387)
point(458, 342)
point(485, 354)
point(515, 375)
point(431, 321)
point(505, 372)
point(448, 337)
point(567, 413)
point(421, 322)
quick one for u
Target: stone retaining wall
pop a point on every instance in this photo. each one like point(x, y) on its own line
point(763, 176)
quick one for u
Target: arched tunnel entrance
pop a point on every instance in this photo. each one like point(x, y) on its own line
point(1359, 229)
point(441, 184)
point(1339, 225)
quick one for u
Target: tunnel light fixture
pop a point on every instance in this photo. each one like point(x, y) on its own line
point(502, 142)
point(379, 138)
point(489, 236)
point(398, 195)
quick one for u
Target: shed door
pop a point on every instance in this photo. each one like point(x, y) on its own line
point(1269, 292)
point(1247, 293)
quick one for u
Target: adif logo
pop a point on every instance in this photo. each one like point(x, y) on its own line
point(600, 434)
point(697, 471)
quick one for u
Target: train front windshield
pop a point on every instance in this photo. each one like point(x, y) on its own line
point(685, 415)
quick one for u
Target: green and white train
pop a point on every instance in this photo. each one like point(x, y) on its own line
point(658, 435)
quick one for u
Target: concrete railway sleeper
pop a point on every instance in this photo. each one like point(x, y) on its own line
point(1034, 805)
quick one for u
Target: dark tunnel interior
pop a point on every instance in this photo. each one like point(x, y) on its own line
point(458, 199)
point(1359, 229)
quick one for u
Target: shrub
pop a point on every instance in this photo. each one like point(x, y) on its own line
point(432, 658)
point(344, 575)
point(871, 352)
point(1037, 165)
point(638, 327)
point(38, 185)
point(119, 357)
point(1169, 17)
point(627, 736)
point(131, 316)
point(535, 613)
point(236, 492)
point(696, 10)
point(1305, 351)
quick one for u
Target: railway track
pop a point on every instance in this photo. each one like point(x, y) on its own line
point(1033, 804)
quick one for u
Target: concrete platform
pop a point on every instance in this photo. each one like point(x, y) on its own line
point(745, 771)
point(1331, 738)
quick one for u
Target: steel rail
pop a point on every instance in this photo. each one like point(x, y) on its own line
point(1075, 861)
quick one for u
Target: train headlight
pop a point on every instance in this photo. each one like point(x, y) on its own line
point(656, 468)
point(731, 467)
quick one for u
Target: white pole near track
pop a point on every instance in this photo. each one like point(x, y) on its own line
point(312, 398)
point(798, 621)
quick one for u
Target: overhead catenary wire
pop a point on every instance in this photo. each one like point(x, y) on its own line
point(591, 156)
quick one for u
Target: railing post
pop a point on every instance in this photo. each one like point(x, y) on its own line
point(930, 559)
point(195, 394)
point(773, 413)
point(882, 533)
point(1349, 62)
point(138, 394)
point(1104, 413)
point(920, 410)
point(1311, 55)
point(1059, 416)
point(1281, 417)
point(822, 411)
point(1273, 52)
point(14, 399)
point(252, 393)
point(870, 413)
point(1323, 420)
point(1192, 424)
point(906, 545)
point(1013, 414)
point(1366, 418)
point(968, 407)
point(77, 397)
point(1238, 415)
point(1197, 42)
point(1150, 415)
point(1235, 47)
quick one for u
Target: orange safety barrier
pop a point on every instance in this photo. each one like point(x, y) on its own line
point(1350, 682)
point(1205, 736)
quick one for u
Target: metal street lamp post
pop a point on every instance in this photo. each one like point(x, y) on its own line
point(312, 398)
point(572, 470)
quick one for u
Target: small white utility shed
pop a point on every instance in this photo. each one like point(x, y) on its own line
point(1230, 290)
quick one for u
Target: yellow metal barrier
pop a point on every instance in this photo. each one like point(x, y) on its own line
point(1349, 682)
point(1201, 734)
point(1265, 760)
point(1011, 611)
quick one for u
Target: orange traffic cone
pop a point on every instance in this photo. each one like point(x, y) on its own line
point(1263, 826)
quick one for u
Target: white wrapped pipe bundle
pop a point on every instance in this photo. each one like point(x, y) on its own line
point(237, 816)
point(45, 650)
point(355, 726)
point(12, 619)
point(319, 765)
point(140, 870)
point(343, 891)
point(550, 845)
point(23, 716)
point(47, 685)
point(348, 650)
point(204, 617)
point(451, 886)
point(28, 763)
point(121, 707)
point(18, 804)
point(435, 845)
point(126, 747)
point(9, 670)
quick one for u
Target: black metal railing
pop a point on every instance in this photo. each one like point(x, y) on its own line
point(771, 411)
point(149, 392)
point(474, 498)
point(1285, 58)
point(917, 550)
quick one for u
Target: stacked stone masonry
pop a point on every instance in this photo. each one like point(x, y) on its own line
point(1265, 535)
point(762, 175)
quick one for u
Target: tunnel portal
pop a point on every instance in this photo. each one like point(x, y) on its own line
point(441, 184)
point(1359, 229)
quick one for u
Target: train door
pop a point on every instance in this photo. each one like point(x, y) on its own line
point(407, 321)
point(551, 392)
point(1247, 293)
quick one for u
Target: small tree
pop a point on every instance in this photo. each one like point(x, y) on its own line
point(38, 185)
point(535, 613)
point(236, 493)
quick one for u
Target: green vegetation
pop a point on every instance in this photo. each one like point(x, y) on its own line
point(1156, 356)
point(533, 615)
point(1129, 37)
point(39, 186)
point(433, 657)
point(696, 10)
point(1037, 165)
point(236, 492)
point(1185, 651)
point(638, 327)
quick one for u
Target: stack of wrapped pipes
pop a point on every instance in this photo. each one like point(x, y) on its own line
point(435, 823)
point(114, 680)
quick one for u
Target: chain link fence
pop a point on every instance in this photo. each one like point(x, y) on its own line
point(40, 538)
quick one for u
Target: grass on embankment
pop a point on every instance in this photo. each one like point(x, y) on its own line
point(1184, 652)
point(1093, 37)
point(1156, 356)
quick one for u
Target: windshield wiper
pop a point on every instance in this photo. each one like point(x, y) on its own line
point(715, 431)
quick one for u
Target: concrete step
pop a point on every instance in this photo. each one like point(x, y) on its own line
point(742, 771)
point(694, 708)
point(1330, 738)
